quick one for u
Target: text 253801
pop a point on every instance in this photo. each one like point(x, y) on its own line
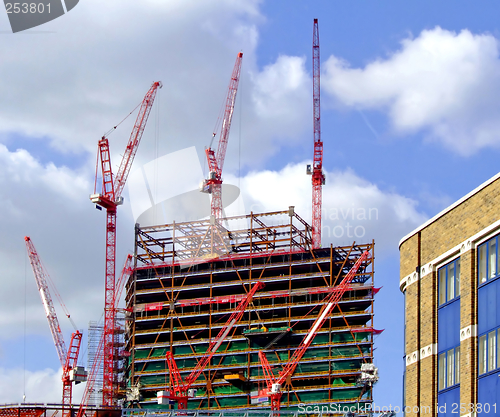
point(27, 8)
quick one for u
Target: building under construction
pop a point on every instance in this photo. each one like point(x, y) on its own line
point(188, 280)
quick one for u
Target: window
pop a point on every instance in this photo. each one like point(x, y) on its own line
point(489, 351)
point(449, 281)
point(449, 368)
point(488, 260)
point(482, 354)
point(492, 351)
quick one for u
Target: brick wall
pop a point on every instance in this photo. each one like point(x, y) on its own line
point(442, 235)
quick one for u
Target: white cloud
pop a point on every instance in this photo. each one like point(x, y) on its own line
point(444, 83)
point(69, 87)
point(42, 386)
point(353, 207)
point(50, 204)
point(64, 88)
point(282, 92)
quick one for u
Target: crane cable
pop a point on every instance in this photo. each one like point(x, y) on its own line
point(105, 136)
point(126, 117)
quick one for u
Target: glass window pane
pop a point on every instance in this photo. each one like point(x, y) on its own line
point(492, 264)
point(451, 281)
point(457, 278)
point(482, 354)
point(442, 286)
point(498, 346)
point(492, 350)
point(451, 367)
point(481, 264)
point(442, 371)
point(457, 365)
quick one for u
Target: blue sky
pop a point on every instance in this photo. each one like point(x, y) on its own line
point(410, 106)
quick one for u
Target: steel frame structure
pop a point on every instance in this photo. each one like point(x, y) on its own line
point(202, 240)
point(183, 290)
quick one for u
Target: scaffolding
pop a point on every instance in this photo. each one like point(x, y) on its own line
point(190, 276)
point(95, 334)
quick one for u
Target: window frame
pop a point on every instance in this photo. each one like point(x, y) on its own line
point(449, 368)
point(485, 344)
point(484, 264)
point(444, 278)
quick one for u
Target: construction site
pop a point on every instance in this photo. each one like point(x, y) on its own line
point(181, 303)
point(242, 315)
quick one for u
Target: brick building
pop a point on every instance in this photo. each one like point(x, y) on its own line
point(450, 278)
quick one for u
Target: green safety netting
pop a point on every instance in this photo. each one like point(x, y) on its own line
point(150, 366)
point(339, 382)
point(153, 379)
point(227, 389)
point(233, 402)
point(230, 360)
point(144, 353)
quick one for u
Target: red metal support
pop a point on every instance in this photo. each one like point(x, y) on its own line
point(216, 162)
point(179, 388)
point(98, 359)
point(274, 383)
point(41, 278)
point(135, 139)
point(67, 358)
point(109, 199)
point(70, 363)
point(318, 177)
point(107, 175)
point(108, 388)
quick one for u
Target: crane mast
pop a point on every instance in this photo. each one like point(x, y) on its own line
point(274, 383)
point(178, 386)
point(109, 199)
point(318, 177)
point(67, 358)
point(213, 184)
point(120, 284)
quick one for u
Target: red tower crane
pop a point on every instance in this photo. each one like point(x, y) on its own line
point(110, 199)
point(318, 177)
point(213, 184)
point(68, 358)
point(274, 383)
point(127, 270)
point(179, 388)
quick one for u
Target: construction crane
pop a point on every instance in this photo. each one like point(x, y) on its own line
point(120, 284)
point(68, 357)
point(318, 177)
point(274, 383)
point(179, 389)
point(110, 198)
point(213, 184)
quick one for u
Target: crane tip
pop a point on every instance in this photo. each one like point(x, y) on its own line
point(26, 238)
